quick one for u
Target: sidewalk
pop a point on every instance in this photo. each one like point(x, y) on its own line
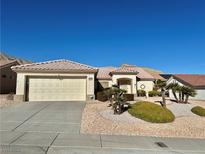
point(49, 143)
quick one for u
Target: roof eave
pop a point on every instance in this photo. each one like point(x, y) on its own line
point(146, 79)
point(53, 71)
point(125, 73)
point(104, 78)
point(9, 64)
point(199, 87)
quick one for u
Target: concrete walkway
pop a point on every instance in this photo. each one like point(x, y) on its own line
point(54, 127)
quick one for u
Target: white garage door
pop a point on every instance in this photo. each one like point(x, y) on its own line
point(54, 89)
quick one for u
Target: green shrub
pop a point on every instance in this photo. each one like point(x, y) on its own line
point(153, 93)
point(198, 110)
point(151, 112)
point(101, 96)
point(128, 97)
point(141, 93)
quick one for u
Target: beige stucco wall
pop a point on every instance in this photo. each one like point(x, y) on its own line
point(115, 77)
point(109, 82)
point(20, 87)
point(200, 92)
point(20, 84)
point(147, 84)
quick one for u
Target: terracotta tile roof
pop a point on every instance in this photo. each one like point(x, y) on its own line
point(125, 70)
point(4, 63)
point(104, 72)
point(156, 75)
point(194, 80)
point(5, 58)
point(61, 65)
point(142, 74)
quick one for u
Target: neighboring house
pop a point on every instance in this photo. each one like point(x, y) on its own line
point(64, 80)
point(8, 77)
point(195, 81)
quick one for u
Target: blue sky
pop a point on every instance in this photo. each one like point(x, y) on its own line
point(168, 35)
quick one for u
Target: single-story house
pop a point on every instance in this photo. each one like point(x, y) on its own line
point(65, 80)
point(195, 81)
point(58, 80)
point(8, 77)
point(128, 77)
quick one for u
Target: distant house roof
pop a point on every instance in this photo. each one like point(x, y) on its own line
point(156, 75)
point(61, 65)
point(4, 58)
point(6, 62)
point(194, 80)
point(104, 72)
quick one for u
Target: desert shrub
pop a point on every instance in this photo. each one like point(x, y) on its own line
point(101, 96)
point(141, 93)
point(128, 97)
point(198, 110)
point(153, 93)
point(151, 112)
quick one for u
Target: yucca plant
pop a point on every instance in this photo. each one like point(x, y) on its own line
point(119, 103)
point(115, 96)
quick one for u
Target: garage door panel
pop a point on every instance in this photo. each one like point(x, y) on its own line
point(54, 89)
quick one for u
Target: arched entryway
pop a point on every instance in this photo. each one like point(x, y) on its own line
point(126, 84)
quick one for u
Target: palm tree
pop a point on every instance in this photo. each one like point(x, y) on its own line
point(187, 92)
point(180, 91)
point(175, 87)
point(162, 85)
point(184, 92)
point(183, 89)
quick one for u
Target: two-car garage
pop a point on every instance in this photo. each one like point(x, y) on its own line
point(56, 89)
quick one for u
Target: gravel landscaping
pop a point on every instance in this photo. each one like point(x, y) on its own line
point(99, 119)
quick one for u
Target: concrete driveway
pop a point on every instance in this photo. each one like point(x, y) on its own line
point(44, 117)
point(54, 127)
